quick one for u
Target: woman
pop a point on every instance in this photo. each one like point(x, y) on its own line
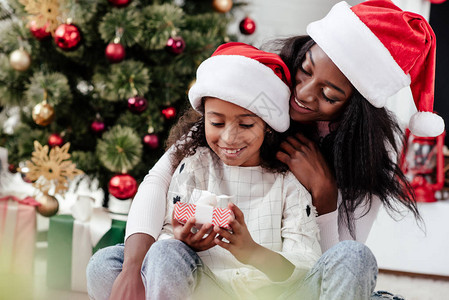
point(349, 64)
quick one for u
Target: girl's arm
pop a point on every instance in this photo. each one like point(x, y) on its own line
point(247, 251)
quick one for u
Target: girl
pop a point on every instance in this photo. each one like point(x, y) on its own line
point(358, 133)
point(242, 94)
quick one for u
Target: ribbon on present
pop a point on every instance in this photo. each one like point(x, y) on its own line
point(204, 210)
point(17, 234)
point(89, 226)
point(72, 239)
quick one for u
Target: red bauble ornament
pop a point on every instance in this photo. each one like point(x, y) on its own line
point(175, 45)
point(247, 26)
point(55, 140)
point(122, 186)
point(137, 104)
point(115, 52)
point(38, 32)
point(169, 112)
point(437, 1)
point(151, 141)
point(12, 168)
point(119, 3)
point(67, 36)
point(97, 126)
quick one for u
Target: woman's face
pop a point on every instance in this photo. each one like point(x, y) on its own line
point(321, 90)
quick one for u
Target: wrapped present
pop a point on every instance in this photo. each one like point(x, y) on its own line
point(72, 239)
point(17, 234)
point(205, 210)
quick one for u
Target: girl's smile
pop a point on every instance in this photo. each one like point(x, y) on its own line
point(234, 133)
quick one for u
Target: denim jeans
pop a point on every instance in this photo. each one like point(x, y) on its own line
point(346, 271)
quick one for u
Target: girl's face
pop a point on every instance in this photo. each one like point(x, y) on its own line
point(233, 133)
point(321, 90)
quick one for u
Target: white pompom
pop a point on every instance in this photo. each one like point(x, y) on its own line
point(426, 124)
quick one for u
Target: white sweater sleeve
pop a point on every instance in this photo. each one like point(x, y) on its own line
point(333, 231)
point(148, 207)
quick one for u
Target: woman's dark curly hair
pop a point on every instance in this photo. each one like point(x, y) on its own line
point(189, 133)
point(361, 148)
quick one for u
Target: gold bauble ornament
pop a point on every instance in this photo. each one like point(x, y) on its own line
point(43, 113)
point(20, 60)
point(222, 6)
point(49, 205)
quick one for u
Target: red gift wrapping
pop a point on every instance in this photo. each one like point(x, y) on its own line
point(17, 234)
point(214, 215)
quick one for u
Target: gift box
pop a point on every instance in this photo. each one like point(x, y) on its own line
point(17, 234)
point(203, 214)
point(72, 239)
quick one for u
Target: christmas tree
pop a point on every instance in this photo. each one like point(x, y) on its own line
point(110, 77)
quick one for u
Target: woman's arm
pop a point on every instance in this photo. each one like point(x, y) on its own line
point(143, 226)
point(148, 207)
point(306, 162)
point(332, 231)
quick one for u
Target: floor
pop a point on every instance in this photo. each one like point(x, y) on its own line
point(19, 287)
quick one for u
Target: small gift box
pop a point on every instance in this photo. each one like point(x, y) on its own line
point(72, 239)
point(205, 210)
point(17, 234)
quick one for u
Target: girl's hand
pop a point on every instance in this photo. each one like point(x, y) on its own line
point(240, 244)
point(306, 162)
point(196, 241)
point(248, 252)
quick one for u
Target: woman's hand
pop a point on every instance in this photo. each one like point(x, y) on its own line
point(128, 285)
point(196, 241)
point(306, 162)
point(240, 244)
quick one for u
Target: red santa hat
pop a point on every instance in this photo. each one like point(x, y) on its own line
point(256, 80)
point(382, 49)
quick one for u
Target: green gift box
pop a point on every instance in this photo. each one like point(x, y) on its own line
point(70, 246)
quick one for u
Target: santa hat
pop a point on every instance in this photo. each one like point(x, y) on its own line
point(248, 77)
point(382, 49)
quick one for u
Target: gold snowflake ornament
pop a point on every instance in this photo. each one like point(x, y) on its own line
point(51, 169)
point(43, 12)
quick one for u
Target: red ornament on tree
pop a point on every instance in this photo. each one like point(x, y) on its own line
point(38, 32)
point(175, 45)
point(151, 141)
point(12, 168)
point(67, 36)
point(97, 126)
point(119, 3)
point(55, 139)
point(247, 26)
point(137, 104)
point(169, 112)
point(122, 186)
point(115, 52)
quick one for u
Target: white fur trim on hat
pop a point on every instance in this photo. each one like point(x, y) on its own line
point(359, 54)
point(247, 83)
point(426, 124)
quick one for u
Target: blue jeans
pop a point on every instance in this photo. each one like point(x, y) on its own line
point(346, 271)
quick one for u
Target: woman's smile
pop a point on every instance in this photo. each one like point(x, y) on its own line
point(298, 106)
